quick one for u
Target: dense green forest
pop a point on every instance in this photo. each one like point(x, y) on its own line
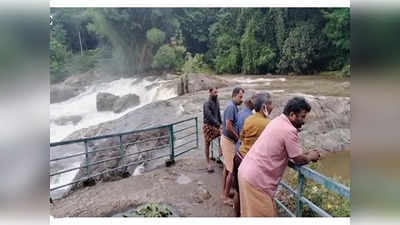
point(222, 40)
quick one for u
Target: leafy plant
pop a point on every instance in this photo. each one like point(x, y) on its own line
point(153, 210)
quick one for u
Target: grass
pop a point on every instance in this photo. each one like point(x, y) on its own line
point(331, 202)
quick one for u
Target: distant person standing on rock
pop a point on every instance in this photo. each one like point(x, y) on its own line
point(212, 123)
point(229, 138)
point(252, 128)
point(263, 166)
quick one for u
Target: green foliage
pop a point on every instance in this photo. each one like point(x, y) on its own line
point(194, 64)
point(58, 54)
point(228, 63)
point(170, 57)
point(329, 201)
point(256, 57)
point(230, 40)
point(153, 210)
point(300, 49)
point(346, 70)
point(337, 28)
point(82, 63)
point(165, 58)
point(155, 36)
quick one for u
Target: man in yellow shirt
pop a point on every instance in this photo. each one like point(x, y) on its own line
point(252, 128)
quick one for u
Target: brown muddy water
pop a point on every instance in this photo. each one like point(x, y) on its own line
point(335, 164)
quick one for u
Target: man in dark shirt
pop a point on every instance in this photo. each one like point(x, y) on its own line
point(212, 123)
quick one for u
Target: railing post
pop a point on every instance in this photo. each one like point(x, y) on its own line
point(212, 149)
point(171, 145)
point(197, 134)
point(87, 159)
point(300, 188)
point(121, 150)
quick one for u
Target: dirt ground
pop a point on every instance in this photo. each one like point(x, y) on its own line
point(173, 186)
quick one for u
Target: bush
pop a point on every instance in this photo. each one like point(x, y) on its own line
point(155, 36)
point(329, 201)
point(194, 63)
point(58, 57)
point(82, 63)
point(164, 58)
point(170, 57)
point(346, 71)
point(228, 63)
point(300, 49)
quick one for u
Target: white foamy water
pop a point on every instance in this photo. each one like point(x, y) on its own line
point(259, 80)
point(84, 105)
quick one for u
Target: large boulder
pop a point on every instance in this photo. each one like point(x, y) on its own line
point(61, 92)
point(190, 83)
point(125, 102)
point(105, 101)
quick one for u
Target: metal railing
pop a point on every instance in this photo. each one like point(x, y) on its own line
point(170, 141)
point(303, 173)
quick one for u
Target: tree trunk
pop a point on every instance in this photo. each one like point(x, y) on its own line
point(80, 41)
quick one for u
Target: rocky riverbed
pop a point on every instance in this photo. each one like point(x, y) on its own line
point(327, 128)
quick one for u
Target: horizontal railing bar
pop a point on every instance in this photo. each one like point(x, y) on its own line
point(287, 187)
point(280, 204)
point(108, 170)
point(67, 157)
point(66, 171)
point(191, 141)
point(180, 153)
point(106, 148)
point(179, 138)
point(183, 121)
point(103, 161)
point(147, 150)
point(105, 136)
point(146, 140)
point(328, 183)
point(315, 208)
point(177, 131)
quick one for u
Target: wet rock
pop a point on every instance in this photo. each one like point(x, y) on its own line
point(200, 195)
point(105, 101)
point(125, 102)
point(190, 83)
point(67, 119)
point(61, 92)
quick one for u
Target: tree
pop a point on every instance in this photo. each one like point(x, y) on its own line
point(301, 49)
point(337, 30)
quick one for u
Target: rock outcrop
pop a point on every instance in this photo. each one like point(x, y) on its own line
point(105, 101)
point(190, 83)
point(125, 102)
point(62, 92)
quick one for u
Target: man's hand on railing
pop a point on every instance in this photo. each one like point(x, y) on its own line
point(314, 155)
point(311, 156)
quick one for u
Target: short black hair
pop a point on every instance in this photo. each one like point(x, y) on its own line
point(295, 105)
point(260, 100)
point(212, 88)
point(236, 91)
